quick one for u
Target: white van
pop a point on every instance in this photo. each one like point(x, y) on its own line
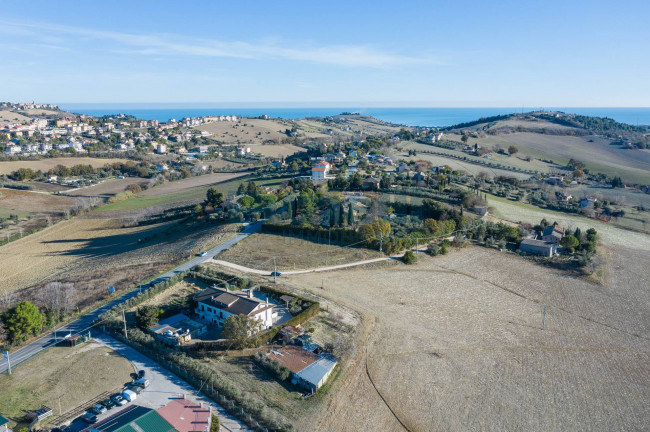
point(129, 395)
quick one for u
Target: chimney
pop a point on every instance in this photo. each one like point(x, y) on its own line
point(267, 300)
point(250, 293)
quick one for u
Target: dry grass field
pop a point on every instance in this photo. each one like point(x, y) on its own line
point(599, 155)
point(281, 150)
point(12, 117)
point(291, 253)
point(7, 167)
point(456, 343)
point(76, 374)
point(96, 252)
point(248, 131)
point(519, 212)
point(107, 188)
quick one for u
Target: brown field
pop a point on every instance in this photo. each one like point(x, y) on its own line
point(255, 131)
point(456, 343)
point(7, 167)
point(33, 202)
point(95, 253)
point(11, 117)
point(291, 253)
point(108, 188)
point(190, 183)
point(76, 374)
point(280, 150)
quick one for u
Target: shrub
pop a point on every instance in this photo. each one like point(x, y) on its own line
point(409, 258)
point(281, 372)
point(433, 249)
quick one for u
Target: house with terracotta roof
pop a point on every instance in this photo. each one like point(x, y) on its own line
point(308, 370)
point(186, 416)
point(215, 304)
point(320, 170)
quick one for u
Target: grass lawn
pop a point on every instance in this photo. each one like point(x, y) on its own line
point(75, 374)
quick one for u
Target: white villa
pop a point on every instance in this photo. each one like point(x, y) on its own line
point(214, 305)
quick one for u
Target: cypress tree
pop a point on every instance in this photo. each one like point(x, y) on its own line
point(350, 215)
point(341, 216)
point(332, 222)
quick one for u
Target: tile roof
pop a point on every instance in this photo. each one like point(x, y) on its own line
point(234, 302)
point(293, 357)
point(186, 415)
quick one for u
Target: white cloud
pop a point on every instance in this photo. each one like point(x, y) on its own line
point(174, 45)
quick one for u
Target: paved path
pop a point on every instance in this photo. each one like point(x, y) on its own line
point(290, 272)
point(83, 323)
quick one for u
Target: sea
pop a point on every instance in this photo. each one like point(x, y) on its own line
point(425, 117)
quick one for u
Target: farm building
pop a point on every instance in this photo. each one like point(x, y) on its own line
point(215, 304)
point(308, 370)
point(177, 330)
point(538, 247)
point(553, 234)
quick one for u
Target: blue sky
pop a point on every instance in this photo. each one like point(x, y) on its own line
point(334, 53)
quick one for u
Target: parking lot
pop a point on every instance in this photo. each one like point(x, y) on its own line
point(163, 387)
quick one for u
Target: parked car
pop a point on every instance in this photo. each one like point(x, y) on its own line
point(142, 382)
point(276, 273)
point(202, 254)
point(129, 395)
point(97, 409)
point(135, 388)
point(108, 403)
point(118, 399)
point(141, 374)
point(89, 418)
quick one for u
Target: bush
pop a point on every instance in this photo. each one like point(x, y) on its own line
point(433, 249)
point(409, 258)
point(281, 372)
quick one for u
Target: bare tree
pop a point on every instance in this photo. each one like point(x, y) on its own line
point(7, 299)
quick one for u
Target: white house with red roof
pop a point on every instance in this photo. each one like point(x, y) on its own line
point(320, 170)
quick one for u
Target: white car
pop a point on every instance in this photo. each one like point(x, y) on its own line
point(202, 254)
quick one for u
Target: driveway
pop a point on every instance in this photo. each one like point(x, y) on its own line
point(163, 387)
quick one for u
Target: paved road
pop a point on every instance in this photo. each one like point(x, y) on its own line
point(83, 323)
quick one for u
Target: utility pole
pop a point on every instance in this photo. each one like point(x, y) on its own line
point(417, 245)
point(124, 318)
point(381, 241)
point(275, 271)
point(544, 319)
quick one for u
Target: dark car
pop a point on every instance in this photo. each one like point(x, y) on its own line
point(140, 374)
point(108, 403)
point(89, 418)
point(97, 409)
point(276, 273)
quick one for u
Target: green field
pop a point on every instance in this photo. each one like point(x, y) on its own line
point(191, 195)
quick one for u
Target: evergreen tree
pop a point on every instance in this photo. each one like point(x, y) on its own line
point(290, 210)
point(332, 221)
point(341, 215)
point(350, 215)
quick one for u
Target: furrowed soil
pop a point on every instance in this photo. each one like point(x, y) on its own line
point(96, 253)
point(462, 342)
